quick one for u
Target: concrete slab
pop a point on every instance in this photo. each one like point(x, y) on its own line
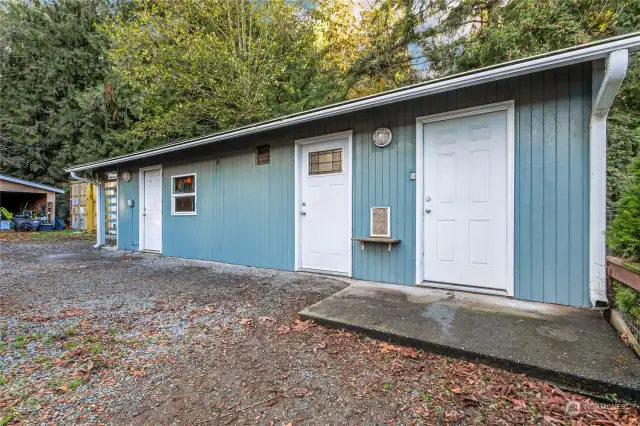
point(573, 346)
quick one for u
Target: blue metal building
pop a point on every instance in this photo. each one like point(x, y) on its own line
point(489, 181)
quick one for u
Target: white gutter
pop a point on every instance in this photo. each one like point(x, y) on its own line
point(616, 68)
point(537, 63)
point(99, 207)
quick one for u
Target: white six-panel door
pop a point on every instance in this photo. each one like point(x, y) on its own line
point(151, 209)
point(465, 199)
point(323, 204)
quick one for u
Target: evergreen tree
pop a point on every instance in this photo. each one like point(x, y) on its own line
point(202, 66)
point(469, 34)
point(58, 103)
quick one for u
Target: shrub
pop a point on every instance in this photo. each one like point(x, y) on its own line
point(623, 235)
point(627, 300)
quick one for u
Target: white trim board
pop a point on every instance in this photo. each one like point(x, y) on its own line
point(174, 195)
point(509, 107)
point(613, 75)
point(297, 188)
point(141, 205)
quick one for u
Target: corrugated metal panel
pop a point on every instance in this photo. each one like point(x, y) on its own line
point(245, 212)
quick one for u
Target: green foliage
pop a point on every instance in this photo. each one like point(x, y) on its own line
point(59, 103)
point(202, 66)
point(475, 33)
point(87, 79)
point(627, 300)
point(384, 62)
point(623, 235)
point(74, 384)
point(623, 131)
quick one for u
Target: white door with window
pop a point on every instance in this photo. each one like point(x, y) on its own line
point(466, 183)
point(151, 209)
point(324, 204)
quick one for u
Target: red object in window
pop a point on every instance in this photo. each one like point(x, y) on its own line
point(189, 180)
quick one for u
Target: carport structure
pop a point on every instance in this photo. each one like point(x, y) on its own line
point(15, 193)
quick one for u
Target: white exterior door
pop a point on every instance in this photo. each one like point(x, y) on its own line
point(151, 210)
point(466, 201)
point(324, 206)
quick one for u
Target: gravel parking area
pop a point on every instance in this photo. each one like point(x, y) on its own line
point(97, 336)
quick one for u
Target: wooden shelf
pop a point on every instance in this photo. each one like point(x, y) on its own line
point(376, 240)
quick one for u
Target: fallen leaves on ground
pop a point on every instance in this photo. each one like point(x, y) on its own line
point(425, 387)
point(246, 322)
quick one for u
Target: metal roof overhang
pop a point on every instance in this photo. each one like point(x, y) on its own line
point(31, 184)
point(558, 58)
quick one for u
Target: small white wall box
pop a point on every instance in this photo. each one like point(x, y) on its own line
point(381, 222)
point(131, 203)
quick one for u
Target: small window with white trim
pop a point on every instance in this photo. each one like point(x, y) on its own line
point(183, 195)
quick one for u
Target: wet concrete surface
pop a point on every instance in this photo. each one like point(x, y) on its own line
point(573, 346)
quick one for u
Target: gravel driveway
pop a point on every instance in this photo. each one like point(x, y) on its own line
point(109, 337)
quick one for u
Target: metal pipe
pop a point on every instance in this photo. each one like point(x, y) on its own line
point(616, 69)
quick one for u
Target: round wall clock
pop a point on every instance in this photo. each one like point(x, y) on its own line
point(126, 176)
point(382, 137)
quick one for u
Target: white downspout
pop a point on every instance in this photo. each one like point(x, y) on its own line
point(616, 68)
point(99, 208)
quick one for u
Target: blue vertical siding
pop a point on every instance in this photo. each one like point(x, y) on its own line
point(246, 212)
point(128, 217)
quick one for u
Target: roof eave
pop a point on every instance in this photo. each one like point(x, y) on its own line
point(533, 64)
point(31, 184)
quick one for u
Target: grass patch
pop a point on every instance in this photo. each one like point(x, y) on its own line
point(49, 236)
point(39, 359)
point(3, 381)
point(74, 384)
point(20, 342)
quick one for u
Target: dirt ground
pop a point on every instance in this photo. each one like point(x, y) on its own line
point(90, 337)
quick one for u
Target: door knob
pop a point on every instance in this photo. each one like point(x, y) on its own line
point(427, 211)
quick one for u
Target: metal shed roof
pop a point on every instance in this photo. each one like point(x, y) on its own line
point(32, 184)
point(558, 58)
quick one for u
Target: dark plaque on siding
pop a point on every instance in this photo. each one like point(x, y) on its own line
point(263, 155)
